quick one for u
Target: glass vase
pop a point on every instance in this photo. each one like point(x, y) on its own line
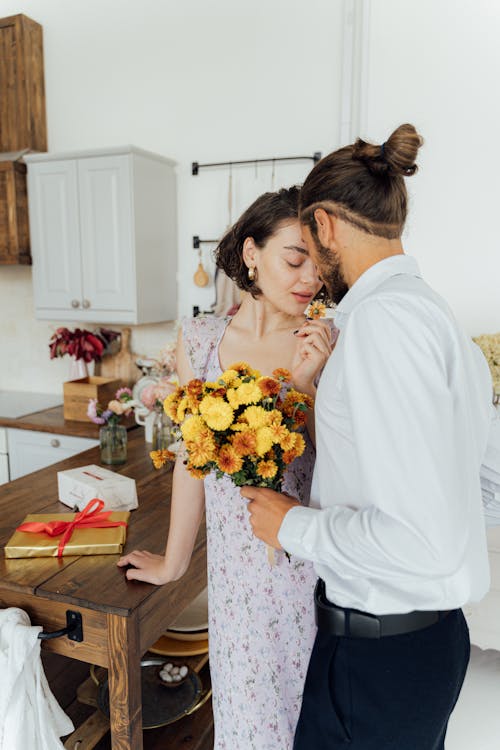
point(113, 439)
point(162, 431)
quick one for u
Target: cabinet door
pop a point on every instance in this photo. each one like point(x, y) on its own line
point(30, 450)
point(55, 235)
point(107, 245)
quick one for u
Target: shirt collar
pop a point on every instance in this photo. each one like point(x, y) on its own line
point(372, 278)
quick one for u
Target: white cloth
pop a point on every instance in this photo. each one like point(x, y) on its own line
point(30, 717)
point(402, 418)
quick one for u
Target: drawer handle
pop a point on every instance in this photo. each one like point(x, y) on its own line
point(86, 304)
point(75, 303)
point(55, 443)
point(73, 629)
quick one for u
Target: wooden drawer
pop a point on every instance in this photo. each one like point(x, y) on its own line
point(30, 450)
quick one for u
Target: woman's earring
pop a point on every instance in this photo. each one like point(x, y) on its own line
point(252, 273)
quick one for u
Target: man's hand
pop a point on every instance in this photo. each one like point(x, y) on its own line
point(267, 510)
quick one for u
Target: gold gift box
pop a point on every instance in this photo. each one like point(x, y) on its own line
point(83, 541)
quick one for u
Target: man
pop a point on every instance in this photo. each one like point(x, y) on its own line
point(395, 526)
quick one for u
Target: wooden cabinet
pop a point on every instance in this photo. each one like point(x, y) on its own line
point(14, 229)
point(22, 91)
point(30, 450)
point(103, 236)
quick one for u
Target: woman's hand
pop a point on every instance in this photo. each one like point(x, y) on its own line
point(147, 567)
point(315, 344)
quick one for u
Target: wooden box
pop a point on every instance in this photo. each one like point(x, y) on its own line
point(23, 123)
point(78, 392)
point(14, 226)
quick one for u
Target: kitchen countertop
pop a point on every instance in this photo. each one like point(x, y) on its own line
point(52, 420)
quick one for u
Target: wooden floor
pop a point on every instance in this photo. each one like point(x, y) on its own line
point(65, 675)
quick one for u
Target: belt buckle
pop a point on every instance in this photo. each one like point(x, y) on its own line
point(364, 625)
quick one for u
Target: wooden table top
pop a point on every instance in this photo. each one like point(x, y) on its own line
point(94, 581)
point(52, 420)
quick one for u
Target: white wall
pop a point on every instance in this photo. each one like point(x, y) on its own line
point(195, 81)
point(228, 79)
point(436, 63)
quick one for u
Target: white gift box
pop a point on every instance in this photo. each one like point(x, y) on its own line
point(78, 486)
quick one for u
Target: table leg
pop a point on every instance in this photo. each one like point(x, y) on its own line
point(124, 676)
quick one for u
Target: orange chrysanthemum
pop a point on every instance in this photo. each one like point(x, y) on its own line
point(287, 442)
point(269, 386)
point(316, 310)
point(245, 443)
point(267, 469)
point(196, 472)
point(289, 456)
point(282, 374)
point(161, 458)
point(228, 460)
point(194, 387)
point(201, 450)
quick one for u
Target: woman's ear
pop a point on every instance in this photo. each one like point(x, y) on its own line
point(249, 252)
point(325, 225)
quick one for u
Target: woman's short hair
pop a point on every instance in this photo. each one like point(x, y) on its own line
point(363, 184)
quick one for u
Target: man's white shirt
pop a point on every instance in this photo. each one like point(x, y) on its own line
point(403, 410)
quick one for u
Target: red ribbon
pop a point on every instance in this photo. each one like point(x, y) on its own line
point(88, 518)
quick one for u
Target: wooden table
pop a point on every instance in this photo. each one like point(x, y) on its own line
point(121, 619)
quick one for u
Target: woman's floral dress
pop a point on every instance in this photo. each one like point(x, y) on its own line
point(261, 617)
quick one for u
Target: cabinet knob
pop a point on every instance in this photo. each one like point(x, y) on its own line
point(75, 303)
point(55, 443)
point(86, 303)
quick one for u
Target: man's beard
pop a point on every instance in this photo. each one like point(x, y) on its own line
point(331, 273)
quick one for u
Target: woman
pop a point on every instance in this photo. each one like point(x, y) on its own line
point(260, 616)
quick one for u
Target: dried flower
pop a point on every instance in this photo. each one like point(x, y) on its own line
point(121, 405)
point(81, 344)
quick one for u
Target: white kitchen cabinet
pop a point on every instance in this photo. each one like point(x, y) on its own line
point(30, 450)
point(103, 236)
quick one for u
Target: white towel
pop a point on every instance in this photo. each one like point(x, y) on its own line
point(30, 716)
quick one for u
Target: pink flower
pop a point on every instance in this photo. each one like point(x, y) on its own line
point(123, 392)
point(92, 412)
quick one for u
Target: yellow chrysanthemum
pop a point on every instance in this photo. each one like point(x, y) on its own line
point(245, 442)
point(171, 403)
point(182, 408)
point(232, 397)
point(287, 442)
point(275, 417)
point(256, 417)
point(193, 427)
point(300, 444)
point(249, 393)
point(217, 413)
point(264, 440)
point(229, 376)
point(279, 432)
point(228, 460)
point(267, 469)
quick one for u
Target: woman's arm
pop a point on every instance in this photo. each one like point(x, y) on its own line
point(186, 514)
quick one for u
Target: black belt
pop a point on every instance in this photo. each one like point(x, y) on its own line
point(351, 622)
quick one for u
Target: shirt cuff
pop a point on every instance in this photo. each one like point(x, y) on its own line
point(293, 529)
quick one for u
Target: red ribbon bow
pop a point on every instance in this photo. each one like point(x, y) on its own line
point(89, 518)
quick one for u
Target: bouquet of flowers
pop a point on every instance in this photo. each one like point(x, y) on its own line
point(81, 344)
point(122, 405)
point(243, 425)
